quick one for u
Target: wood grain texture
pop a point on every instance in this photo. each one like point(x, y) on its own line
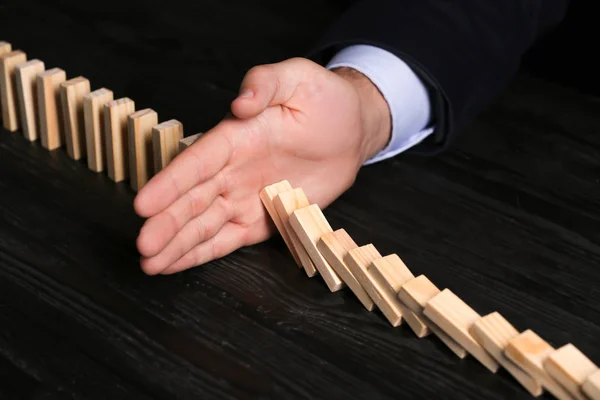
point(493, 332)
point(568, 366)
point(455, 317)
point(26, 82)
point(285, 204)
point(116, 113)
point(52, 130)
point(334, 246)
point(139, 129)
point(508, 217)
point(529, 351)
point(310, 225)
point(95, 127)
point(8, 89)
point(415, 294)
point(72, 92)
point(165, 139)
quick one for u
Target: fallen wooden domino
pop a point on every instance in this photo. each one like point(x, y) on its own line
point(26, 79)
point(71, 94)
point(310, 224)
point(93, 116)
point(591, 386)
point(116, 113)
point(165, 139)
point(455, 317)
point(359, 260)
point(569, 367)
point(285, 204)
point(334, 246)
point(493, 332)
point(529, 351)
point(50, 109)
point(266, 196)
point(8, 91)
point(141, 166)
point(188, 141)
point(415, 294)
point(391, 273)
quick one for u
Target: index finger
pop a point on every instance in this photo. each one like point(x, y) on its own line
point(197, 164)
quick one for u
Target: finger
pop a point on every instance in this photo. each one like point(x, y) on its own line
point(197, 230)
point(229, 239)
point(160, 229)
point(267, 85)
point(200, 162)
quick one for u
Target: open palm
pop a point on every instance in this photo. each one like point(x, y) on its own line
point(293, 120)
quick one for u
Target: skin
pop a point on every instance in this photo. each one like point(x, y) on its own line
point(293, 120)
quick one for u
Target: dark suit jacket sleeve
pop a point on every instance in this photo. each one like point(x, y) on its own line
point(465, 51)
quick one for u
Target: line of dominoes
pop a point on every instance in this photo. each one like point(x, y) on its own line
point(384, 282)
point(113, 136)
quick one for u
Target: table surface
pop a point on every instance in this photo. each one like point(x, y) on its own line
point(508, 220)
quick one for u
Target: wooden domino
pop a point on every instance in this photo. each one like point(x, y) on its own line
point(8, 62)
point(285, 203)
point(455, 317)
point(529, 351)
point(5, 47)
point(141, 165)
point(93, 116)
point(359, 260)
point(591, 386)
point(187, 141)
point(26, 79)
point(310, 224)
point(165, 139)
point(49, 107)
point(267, 195)
point(334, 246)
point(71, 94)
point(116, 113)
point(415, 294)
point(569, 367)
point(391, 273)
point(493, 332)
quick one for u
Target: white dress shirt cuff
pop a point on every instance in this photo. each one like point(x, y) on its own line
point(404, 92)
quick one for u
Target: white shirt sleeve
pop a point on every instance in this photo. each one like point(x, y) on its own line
point(404, 92)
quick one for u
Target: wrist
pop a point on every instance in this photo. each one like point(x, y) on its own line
point(375, 113)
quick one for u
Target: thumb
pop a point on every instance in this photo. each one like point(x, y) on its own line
point(266, 85)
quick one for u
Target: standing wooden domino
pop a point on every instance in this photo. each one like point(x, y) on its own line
point(334, 246)
point(360, 260)
point(5, 47)
point(267, 195)
point(26, 79)
point(115, 137)
point(569, 367)
point(310, 224)
point(529, 351)
point(165, 139)
point(591, 386)
point(455, 317)
point(93, 115)
point(71, 94)
point(187, 141)
point(415, 294)
point(141, 165)
point(391, 273)
point(8, 62)
point(285, 203)
point(49, 108)
point(493, 332)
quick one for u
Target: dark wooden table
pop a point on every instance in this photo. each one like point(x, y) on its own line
point(509, 219)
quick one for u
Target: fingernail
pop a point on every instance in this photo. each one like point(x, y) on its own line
point(246, 93)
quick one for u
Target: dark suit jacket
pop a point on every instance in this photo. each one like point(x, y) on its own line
point(465, 51)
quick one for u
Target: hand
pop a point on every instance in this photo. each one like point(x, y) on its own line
point(293, 120)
